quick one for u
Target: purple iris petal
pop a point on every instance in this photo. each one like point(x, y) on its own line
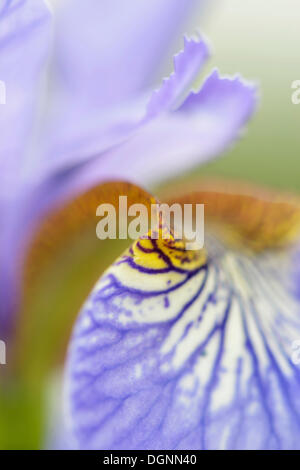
point(24, 46)
point(107, 56)
point(122, 45)
point(171, 136)
point(25, 32)
point(186, 69)
point(175, 140)
point(108, 129)
point(200, 359)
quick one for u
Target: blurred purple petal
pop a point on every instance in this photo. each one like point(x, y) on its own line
point(24, 45)
point(123, 127)
point(25, 33)
point(166, 141)
point(107, 56)
point(109, 51)
point(203, 126)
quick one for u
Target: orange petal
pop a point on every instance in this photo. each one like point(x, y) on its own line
point(245, 215)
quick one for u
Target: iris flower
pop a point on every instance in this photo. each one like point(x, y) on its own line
point(176, 349)
point(173, 348)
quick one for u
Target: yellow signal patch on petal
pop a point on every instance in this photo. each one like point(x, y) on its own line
point(160, 254)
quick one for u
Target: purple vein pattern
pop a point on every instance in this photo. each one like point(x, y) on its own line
point(187, 355)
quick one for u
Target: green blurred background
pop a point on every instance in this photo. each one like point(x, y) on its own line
point(261, 40)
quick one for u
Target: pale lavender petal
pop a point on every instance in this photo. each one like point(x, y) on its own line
point(108, 51)
point(202, 127)
point(25, 33)
point(165, 142)
point(24, 46)
point(188, 359)
point(106, 61)
point(187, 65)
point(124, 128)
